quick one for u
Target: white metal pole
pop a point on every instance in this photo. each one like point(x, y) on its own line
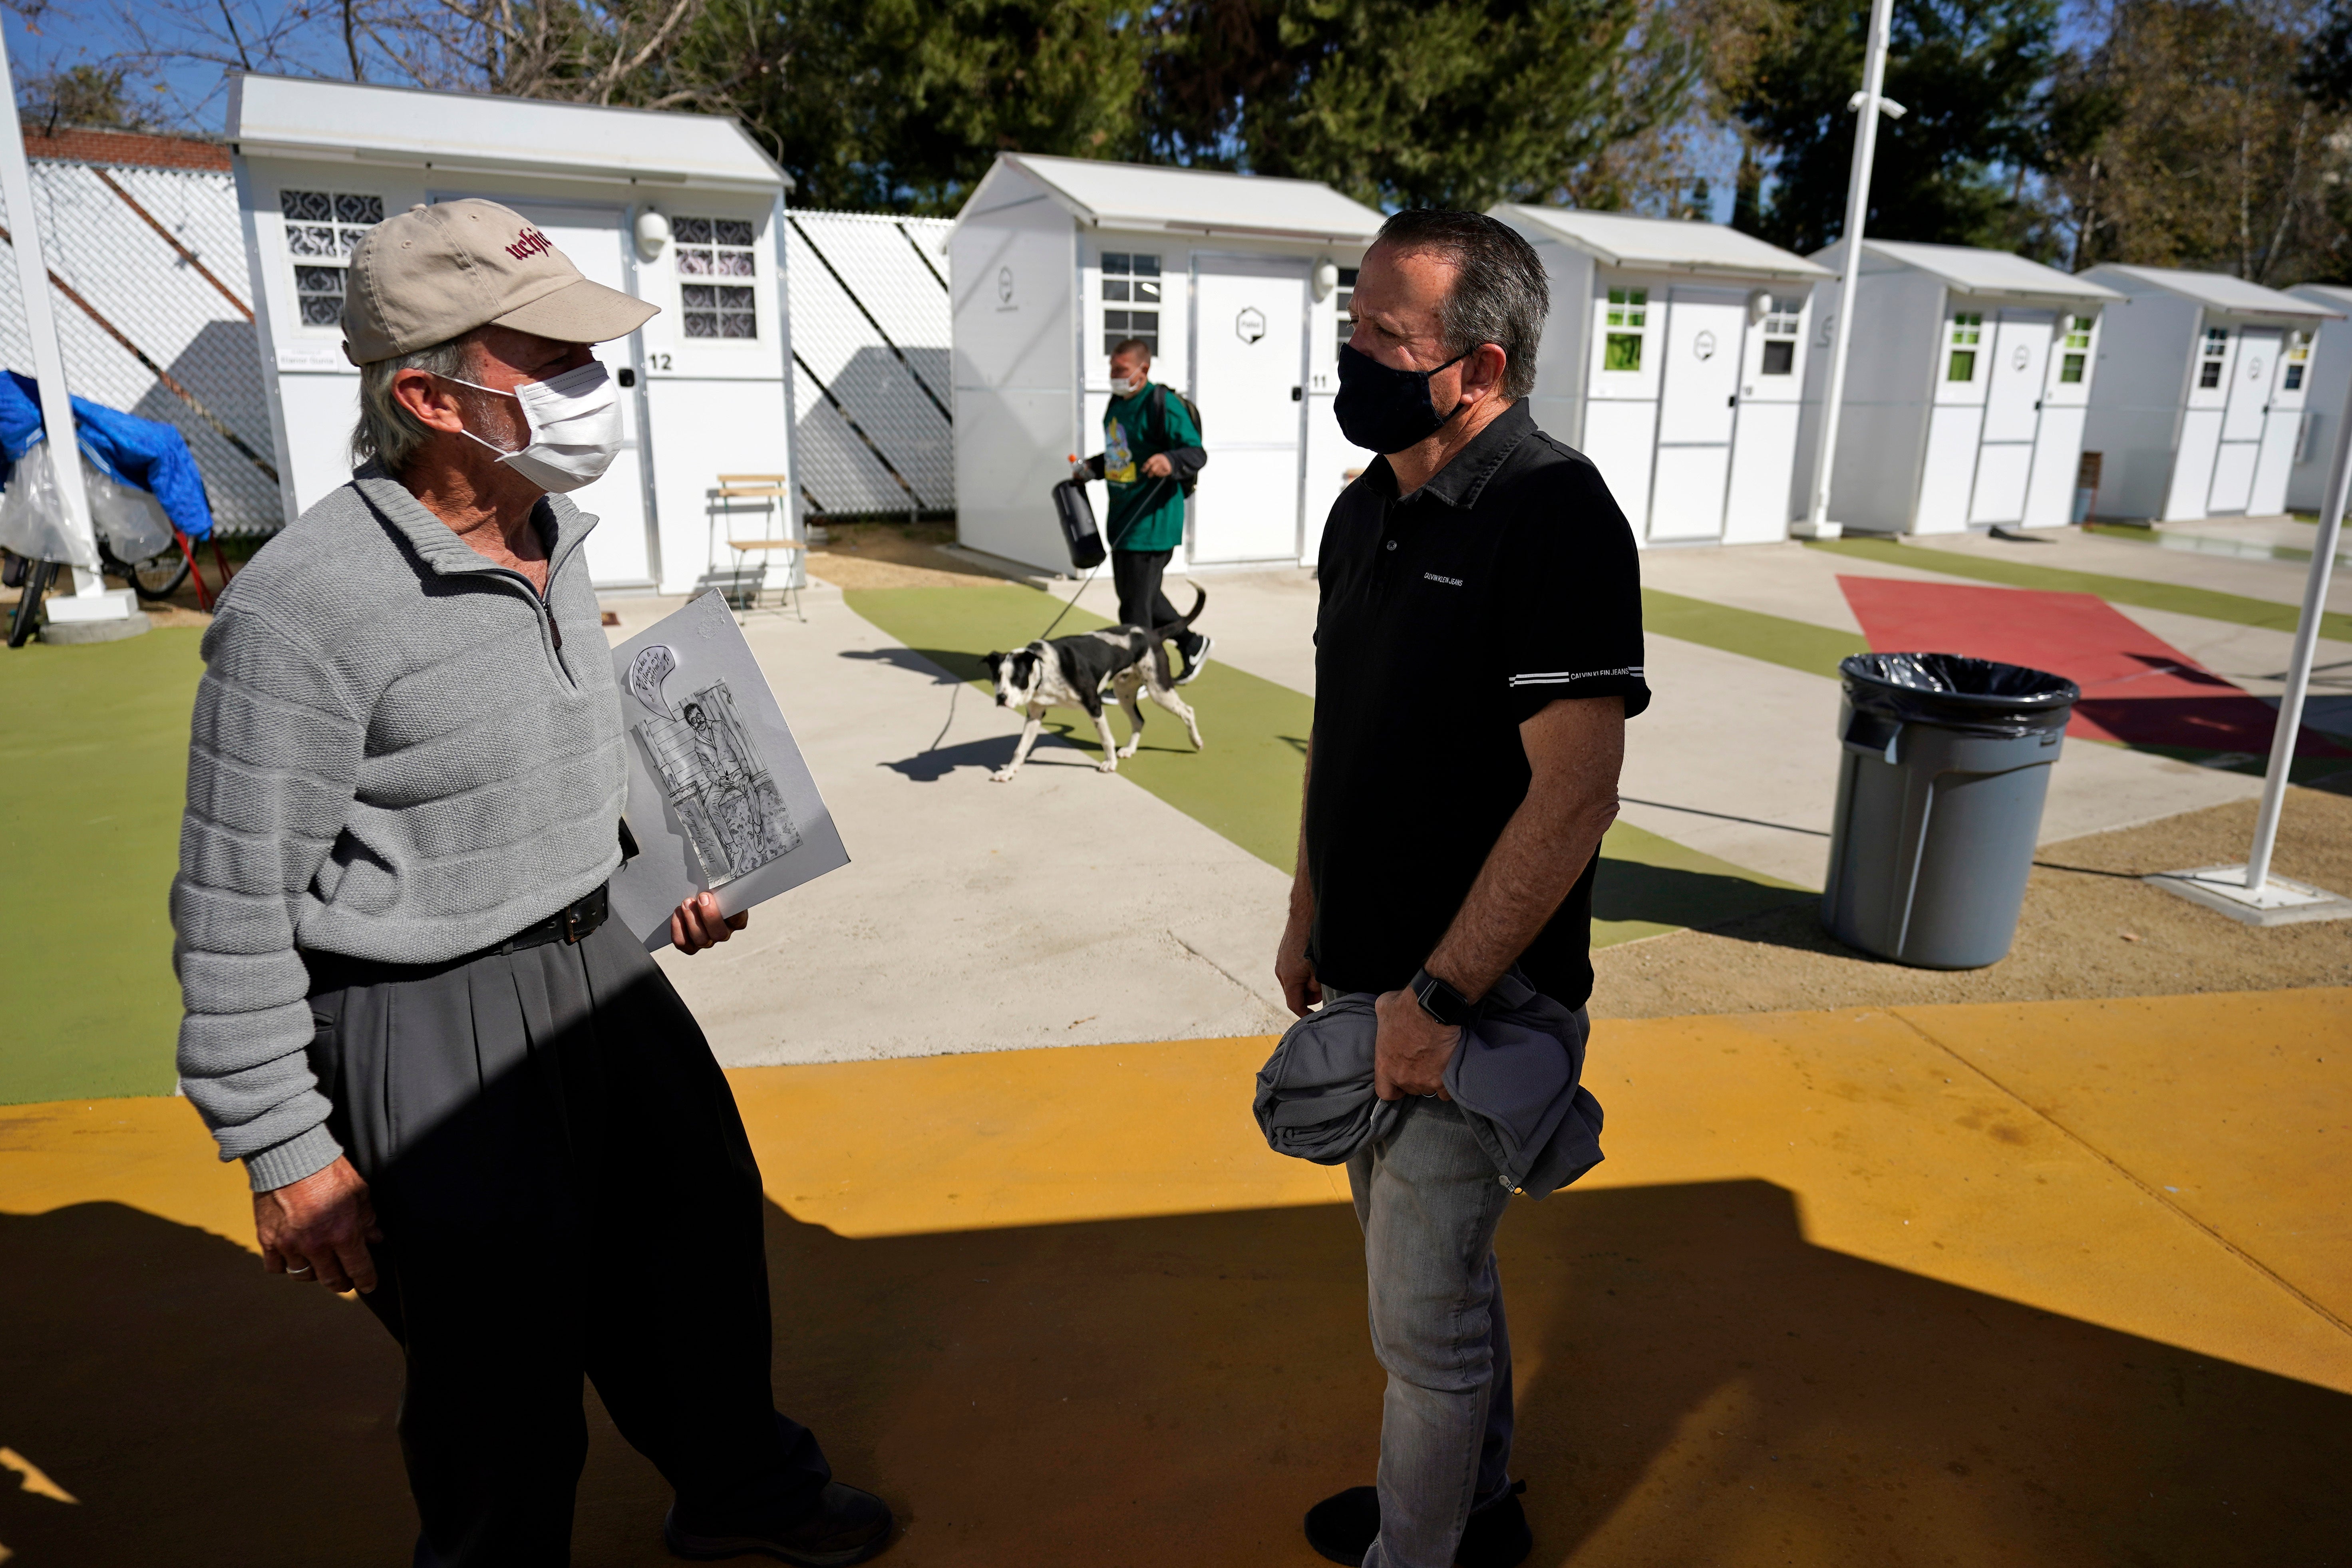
point(41, 327)
point(1867, 105)
point(2298, 666)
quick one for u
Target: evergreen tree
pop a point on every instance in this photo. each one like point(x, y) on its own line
point(1972, 76)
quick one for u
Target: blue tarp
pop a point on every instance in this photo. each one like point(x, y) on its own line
point(146, 454)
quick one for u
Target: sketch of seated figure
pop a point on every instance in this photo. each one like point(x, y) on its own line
point(720, 787)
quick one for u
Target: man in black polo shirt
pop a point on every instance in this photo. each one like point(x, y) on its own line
point(1478, 650)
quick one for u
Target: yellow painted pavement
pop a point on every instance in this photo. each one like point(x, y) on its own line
point(1977, 1276)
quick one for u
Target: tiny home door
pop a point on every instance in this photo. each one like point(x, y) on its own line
point(1764, 446)
point(620, 551)
point(2242, 420)
point(1963, 371)
point(2065, 407)
point(1621, 388)
point(2281, 425)
point(2193, 455)
point(2012, 416)
point(1705, 329)
point(1249, 378)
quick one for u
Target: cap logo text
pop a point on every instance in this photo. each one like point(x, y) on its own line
point(532, 243)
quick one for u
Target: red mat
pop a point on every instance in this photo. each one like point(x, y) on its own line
point(2136, 688)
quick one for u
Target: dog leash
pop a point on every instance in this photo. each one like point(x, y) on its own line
point(1133, 519)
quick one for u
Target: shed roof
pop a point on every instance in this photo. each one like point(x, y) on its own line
point(1974, 271)
point(1620, 240)
point(2215, 290)
point(1197, 201)
point(467, 132)
point(2332, 294)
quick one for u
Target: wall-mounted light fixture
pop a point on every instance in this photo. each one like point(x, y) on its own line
point(653, 234)
point(1327, 277)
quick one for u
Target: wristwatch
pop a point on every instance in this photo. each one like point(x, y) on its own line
point(1440, 1001)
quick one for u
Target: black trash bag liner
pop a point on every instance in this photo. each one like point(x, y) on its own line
point(1971, 696)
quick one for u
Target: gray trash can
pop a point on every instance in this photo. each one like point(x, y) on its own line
point(1946, 762)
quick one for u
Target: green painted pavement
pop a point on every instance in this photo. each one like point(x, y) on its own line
point(1245, 784)
point(1775, 639)
point(93, 772)
point(2234, 608)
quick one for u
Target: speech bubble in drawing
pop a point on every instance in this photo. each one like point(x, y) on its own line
point(653, 665)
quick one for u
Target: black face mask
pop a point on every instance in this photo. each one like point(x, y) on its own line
point(1385, 410)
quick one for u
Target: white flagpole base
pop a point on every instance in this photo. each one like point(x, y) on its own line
point(2280, 902)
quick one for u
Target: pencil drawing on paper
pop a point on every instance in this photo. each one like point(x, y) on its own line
point(712, 774)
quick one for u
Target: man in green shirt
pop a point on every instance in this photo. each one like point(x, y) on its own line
point(1151, 449)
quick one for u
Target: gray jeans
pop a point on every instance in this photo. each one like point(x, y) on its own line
point(1429, 1200)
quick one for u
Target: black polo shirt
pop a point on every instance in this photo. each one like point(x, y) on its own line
point(1448, 618)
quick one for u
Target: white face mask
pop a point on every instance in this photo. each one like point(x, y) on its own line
point(1130, 388)
point(575, 428)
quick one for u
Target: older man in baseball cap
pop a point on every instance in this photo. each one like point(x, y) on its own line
point(455, 1085)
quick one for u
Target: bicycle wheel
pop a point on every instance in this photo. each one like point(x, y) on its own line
point(28, 607)
point(159, 576)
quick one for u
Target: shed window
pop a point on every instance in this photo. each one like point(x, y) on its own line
point(1344, 297)
point(2298, 356)
point(321, 226)
point(1781, 336)
point(1130, 281)
point(2077, 348)
point(1629, 318)
point(1968, 330)
point(2216, 345)
point(713, 248)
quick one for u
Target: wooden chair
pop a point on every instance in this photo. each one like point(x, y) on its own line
point(772, 493)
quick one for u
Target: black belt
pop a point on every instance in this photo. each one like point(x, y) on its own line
point(574, 923)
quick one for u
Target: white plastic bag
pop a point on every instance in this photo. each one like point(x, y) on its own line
point(130, 520)
point(33, 516)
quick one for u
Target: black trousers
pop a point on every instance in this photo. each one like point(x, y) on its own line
point(1136, 573)
point(565, 1189)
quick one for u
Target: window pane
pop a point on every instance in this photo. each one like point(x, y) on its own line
point(1113, 288)
point(1622, 352)
point(1114, 261)
point(698, 295)
point(1346, 277)
point(321, 310)
point(735, 263)
point(701, 323)
point(1152, 344)
point(1143, 323)
point(318, 280)
point(2208, 374)
point(737, 324)
point(365, 211)
point(1779, 357)
point(1963, 365)
point(307, 207)
point(2294, 377)
point(1114, 321)
point(734, 299)
point(307, 240)
point(691, 230)
point(693, 263)
point(1112, 340)
point(2070, 369)
point(1146, 266)
point(1148, 289)
point(731, 231)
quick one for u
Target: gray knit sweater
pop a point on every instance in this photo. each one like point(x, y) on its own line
point(397, 753)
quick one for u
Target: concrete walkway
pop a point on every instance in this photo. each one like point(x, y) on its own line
point(1951, 1284)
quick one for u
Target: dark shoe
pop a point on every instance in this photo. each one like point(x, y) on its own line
point(1195, 657)
point(1343, 1525)
point(846, 1526)
point(1497, 1535)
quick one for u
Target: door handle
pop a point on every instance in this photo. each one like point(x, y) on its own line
point(1297, 394)
point(627, 377)
point(2037, 405)
point(1732, 401)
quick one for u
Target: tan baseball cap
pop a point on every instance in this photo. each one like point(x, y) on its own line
point(433, 273)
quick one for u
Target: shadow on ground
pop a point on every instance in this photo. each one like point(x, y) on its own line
point(1699, 1385)
point(1672, 896)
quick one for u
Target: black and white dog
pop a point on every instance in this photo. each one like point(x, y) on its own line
point(1075, 672)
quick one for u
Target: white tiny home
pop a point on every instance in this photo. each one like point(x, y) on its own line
point(1674, 358)
point(2327, 391)
point(2202, 383)
point(1239, 282)
point(682, 210)
point(1968, 380)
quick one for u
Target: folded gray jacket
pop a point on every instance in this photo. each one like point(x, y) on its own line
point(1515, 1077)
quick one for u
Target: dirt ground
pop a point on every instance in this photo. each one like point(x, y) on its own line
point(2090, 928)
point(893, 555)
